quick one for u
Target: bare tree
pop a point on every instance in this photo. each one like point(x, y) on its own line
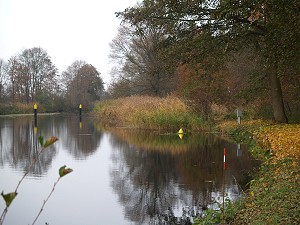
point(69, 75)
point(12, 72)
point(2, 79)
point(30, 75)
point(81, 84)
point(39, 69)
point(139, 64)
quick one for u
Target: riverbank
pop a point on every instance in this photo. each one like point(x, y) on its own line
point(274, 194)
point(29, 114)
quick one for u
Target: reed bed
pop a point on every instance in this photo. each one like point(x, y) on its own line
point(147, 112)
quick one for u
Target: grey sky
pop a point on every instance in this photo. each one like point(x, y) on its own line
point(68, 30)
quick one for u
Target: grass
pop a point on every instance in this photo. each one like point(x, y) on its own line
point(274, 194)
point(146, 112)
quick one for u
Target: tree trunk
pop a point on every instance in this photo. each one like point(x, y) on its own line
point(277, 98)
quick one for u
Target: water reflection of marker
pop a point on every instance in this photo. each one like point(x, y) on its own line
point(224, 159)
point(238, 150)
point(223, 186)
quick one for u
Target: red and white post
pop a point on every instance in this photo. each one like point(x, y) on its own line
point(224, 159)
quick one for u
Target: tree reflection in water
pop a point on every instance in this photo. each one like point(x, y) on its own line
point(159, 182)
point(159, 179)
point(19, 140)
point(19, 146)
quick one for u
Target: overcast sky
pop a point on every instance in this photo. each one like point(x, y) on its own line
point(67, 30)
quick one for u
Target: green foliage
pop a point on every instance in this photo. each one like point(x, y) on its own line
point(41, 140)
point(215, 216)
point(49, 142)
point(8, 198)
point(210, 217)
point(64, 171)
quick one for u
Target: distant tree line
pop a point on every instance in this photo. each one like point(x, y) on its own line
point(227, 53)
point(31, 77)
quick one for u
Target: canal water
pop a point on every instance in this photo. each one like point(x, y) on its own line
point(119, 177)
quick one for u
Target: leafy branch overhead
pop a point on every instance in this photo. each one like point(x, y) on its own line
point(64, 171)
point(8, 198)
point(49, 142)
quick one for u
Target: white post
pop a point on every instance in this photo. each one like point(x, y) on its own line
point(239, 115)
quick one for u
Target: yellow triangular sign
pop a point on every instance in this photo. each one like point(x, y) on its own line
point(180, 131)
point(180, 136)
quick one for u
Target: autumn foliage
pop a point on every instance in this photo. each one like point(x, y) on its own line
point(282, 140)
point(275, 191)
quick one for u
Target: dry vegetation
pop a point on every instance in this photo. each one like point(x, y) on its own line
point(169, 113)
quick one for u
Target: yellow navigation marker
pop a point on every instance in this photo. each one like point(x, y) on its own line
point(80, 106)
point(35, 106)
point(180, 133)
point(180, 136)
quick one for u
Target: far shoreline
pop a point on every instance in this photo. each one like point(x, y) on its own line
point(29, 114)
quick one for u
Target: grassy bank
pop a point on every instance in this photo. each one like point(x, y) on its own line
point(18, 108)
point(275, 192)
point(147, 112)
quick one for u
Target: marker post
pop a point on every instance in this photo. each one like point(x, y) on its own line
point(35, 114)
point(80, 114)
point(80, 110)
point(223, 188)
point(239, 115)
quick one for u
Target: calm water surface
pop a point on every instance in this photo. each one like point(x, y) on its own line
point(120, 177)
